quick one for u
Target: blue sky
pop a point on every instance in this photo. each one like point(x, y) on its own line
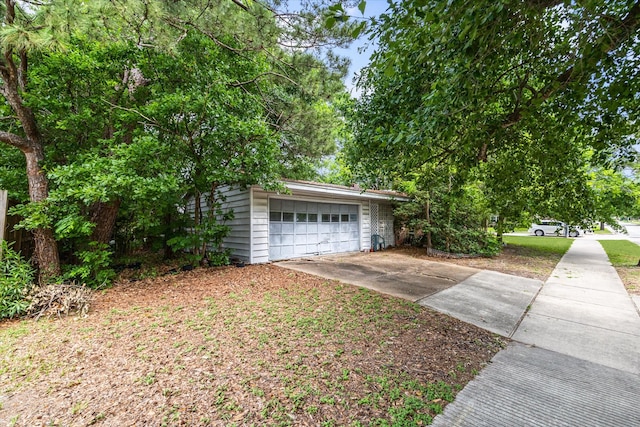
point(361, 59)
point(360, 50)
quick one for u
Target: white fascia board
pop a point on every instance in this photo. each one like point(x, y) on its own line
point(343, 192)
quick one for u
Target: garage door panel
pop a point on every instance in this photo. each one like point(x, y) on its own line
point(275, 228)
point(287, 229)
point(287, 251)
point(275, 240)
point(299, 228)
point(275, 205)
point(287, 239)
point(288, 205)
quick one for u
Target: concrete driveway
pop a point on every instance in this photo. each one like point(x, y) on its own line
point(387, 272)
point(490, 300)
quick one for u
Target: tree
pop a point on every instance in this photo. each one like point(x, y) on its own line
point(616, 195)
point(25, 134)
point(478, 68)
point(84, 83)
point(525, 87)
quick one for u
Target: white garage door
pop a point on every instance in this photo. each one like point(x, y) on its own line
point(307, 228)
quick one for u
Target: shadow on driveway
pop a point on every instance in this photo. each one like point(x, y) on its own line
point(393, 274)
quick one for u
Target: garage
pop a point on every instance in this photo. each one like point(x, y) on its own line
point(301, 228)
point(304, 219)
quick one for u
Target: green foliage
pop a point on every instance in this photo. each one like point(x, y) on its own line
point(615, 195)
point(203, 236)
point(621, 253)
point(522, 98)
point(16, 280)
point(138, 116)
point(199, 237)
point(450, 217)
point(12, 166)
point(35, 215)
point(94, 268)
point(544, 245)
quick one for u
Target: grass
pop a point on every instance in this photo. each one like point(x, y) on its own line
point(605, 231)
point(624, 255)
point(540, 245)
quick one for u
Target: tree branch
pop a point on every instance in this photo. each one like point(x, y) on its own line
point(15, 141)
point(585, 66)
point(240, 5)
point(268, 73)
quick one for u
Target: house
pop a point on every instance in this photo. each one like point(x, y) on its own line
point(310, 219)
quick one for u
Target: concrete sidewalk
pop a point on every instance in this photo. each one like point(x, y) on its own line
point(531, 387)
point(580, 361)
point(584, 311)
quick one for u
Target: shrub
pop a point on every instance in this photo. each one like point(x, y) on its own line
point(94, 270)
point(16, 281)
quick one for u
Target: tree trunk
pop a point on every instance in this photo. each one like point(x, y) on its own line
point(499, 229)
point(427, 208)
point(13, 70)
point(197, 219)
point(46, 249)
point(104, 216)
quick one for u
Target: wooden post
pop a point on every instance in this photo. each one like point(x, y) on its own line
point(4, 205)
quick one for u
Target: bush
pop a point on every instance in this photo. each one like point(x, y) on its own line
point(16, 281)
point(95, 270)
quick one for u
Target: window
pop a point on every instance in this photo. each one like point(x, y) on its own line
point(344, 217)
point(335, 218)
point(287, 216)
point(301, 217)
point(353, 217)
point(275, 216)
point(312, 217)
point(326, 218)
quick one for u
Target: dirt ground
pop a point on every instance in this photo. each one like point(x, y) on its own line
point(512, 260)
point(259, 345)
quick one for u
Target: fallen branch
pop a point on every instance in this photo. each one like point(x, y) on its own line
point(58, 300)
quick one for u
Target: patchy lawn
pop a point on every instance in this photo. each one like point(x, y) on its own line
point(625, 255)
point(259, 345)
point(525, 256)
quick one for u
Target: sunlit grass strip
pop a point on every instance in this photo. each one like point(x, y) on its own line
point(621, 253)
point(542, 245)
point(605, 231)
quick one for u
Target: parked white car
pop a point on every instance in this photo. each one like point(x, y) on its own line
point(552, 227)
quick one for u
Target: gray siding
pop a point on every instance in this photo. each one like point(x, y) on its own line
point(239, 238)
